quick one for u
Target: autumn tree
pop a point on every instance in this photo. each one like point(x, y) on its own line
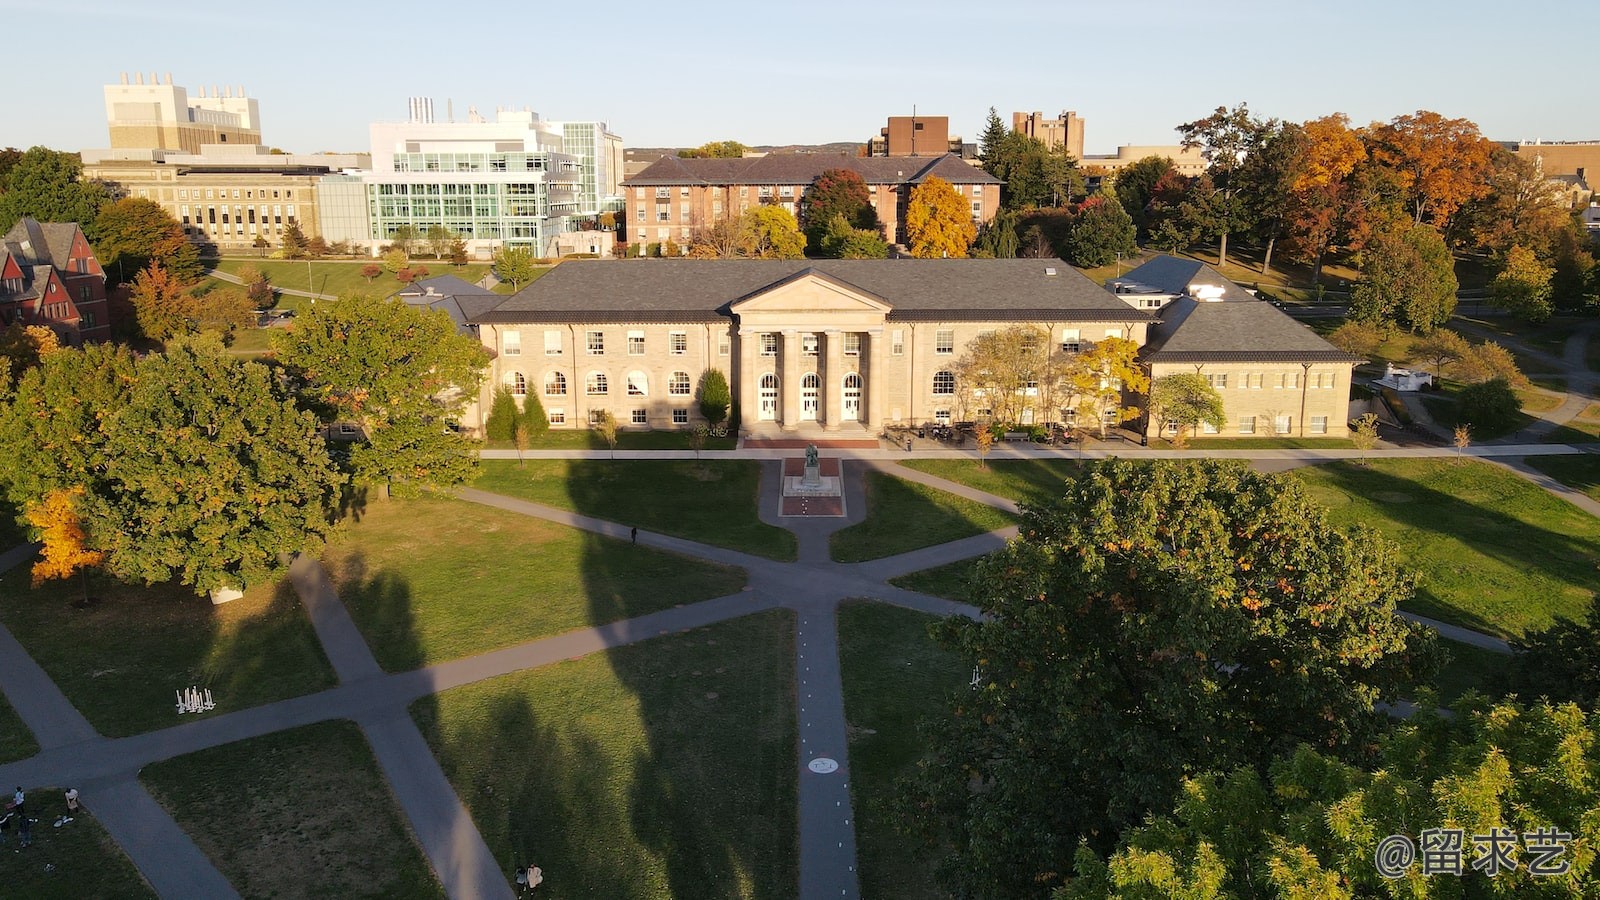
point(1523, 285)
point(1101, 233)
point(715, 150)
point(722, 239)
point(225, 311)
point(133, 232)
point(47, 185)
point(1441, 163)
point(605, 425)
point(66, 544)
point(458, 251)
point(23, 346)
point(1488, 361)
point(1311, 826)
point(1361, 338)
point(1408, 278)
point(1364, 433)
point(211, 473)
point(841, 241)
point(836, 192)
point(371, 271)
point(1324, 207)
point(163, 304)
point(1226, 138)
point(516, 265)
point(1439, 349)
point(399, 373)
point(1153, 620)
point(294, 241)
point(256, 286)
point(938, 221)
point(1188, 400)
point(1521, 206)
point(1002, 367)
point(1096, 382)
point(770, 232)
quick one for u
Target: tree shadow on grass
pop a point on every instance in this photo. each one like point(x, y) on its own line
point(904, 516)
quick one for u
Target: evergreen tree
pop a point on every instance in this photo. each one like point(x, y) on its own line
point(715, 397)
point(502, 420)
point(1101, 233)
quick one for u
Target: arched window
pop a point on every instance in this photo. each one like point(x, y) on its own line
point(517, 383)
point(944, 383)
point(678, 384)
point(555, 385)
point(769, 382)
point(852, 382)
point(638, 385)
point(810, 382)
point(596, 385)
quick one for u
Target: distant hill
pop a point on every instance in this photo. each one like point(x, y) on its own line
point(837, 148)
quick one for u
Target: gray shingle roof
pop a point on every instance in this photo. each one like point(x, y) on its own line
point(803, 168)
point(1236, 328)
point(462, 300)
point(665, 290)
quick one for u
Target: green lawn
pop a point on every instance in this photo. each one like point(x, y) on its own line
point(16, 741)
point(337, 277)
point(252, 342)
point(86, 861)
point(1471, 668)
point(121, 659)
point(903, 515)
point(474, 579)
point(662, 769)
point(1021, 480)
point(894, 676)
point(1579, 472)
point(711, 502)
point(1494, 552)
point(1444, 405)
point(301, 813)
point(951, 581)
point(589, 439)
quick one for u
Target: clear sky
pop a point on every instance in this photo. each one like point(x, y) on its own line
point(682, 73)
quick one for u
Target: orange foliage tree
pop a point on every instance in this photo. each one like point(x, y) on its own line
point(938, 221)
point(66, 547)
point(1441, 163)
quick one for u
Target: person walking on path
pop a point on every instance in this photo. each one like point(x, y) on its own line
point(72, 801)
point(17, 801)
point(24, 829)
point(633, 535)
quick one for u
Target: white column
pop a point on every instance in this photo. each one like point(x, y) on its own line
point(789, 371)
point(748, 348)
point(874, 417)
point(833, 379)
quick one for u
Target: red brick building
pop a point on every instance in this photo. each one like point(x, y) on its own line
point(49, 276)
point(673, 197)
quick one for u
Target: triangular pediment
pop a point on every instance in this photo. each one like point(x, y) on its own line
point(810, 292)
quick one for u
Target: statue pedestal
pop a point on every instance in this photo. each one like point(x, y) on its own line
point(813, 476)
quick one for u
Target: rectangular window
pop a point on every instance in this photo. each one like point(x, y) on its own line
point(1319, 424)
point(678, 343)
point(683, 212)
point(596, 342)
point(595, 416)
point(944, 342)
point(1217, 381)
point(1281, 424)
point(1207, 428)
point(786, 192)
point(852, 343)
point(1247, 424)
point(897, 342)
point(552, 343)
point(808, 344)
point(640, 417)
point(558, 415)
point(663, 193)
point(639, 217)
point(1323, 380)
point(769, 344)
point(680, 417)
point(977, 190)
point(724, 344)
point(635, 343)
point(941, 417)
point(1113, 333)
point(1071, 340)
point(511, 343)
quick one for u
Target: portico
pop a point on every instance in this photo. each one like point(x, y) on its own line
point(811, 350)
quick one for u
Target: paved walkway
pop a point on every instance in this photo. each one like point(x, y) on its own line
point(813, 586)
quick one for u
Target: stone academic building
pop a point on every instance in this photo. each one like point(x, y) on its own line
point(854, 345)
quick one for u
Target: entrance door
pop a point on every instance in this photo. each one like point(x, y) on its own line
point(808, 398)
point(769, 399)
point(852, 398)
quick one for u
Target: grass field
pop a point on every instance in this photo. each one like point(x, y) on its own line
point(1471, 668)
point(337, 277)
point(16, 741)
point(903, 515)
point(301, 813)
point(1579, 472)
point(894, 675)
point(84, 860)
point(951, 581)
point(120, 659)
point(711, 502)
point(1021, 480)
point(1494, 552)
point(662, 769)
point(477, 579)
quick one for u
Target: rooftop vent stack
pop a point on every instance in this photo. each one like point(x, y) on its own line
point(138, 77)
point(169, 79)
point(154, 79)
point(124, 77)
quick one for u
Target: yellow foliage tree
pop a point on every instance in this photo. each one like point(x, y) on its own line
point(65, 542)
point(938, 221)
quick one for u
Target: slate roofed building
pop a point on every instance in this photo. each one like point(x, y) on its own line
point(1276, 376)
point(673, 197)
point(49, 276)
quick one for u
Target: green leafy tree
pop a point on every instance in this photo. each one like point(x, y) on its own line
point(1187, 399)
point(836, 193)
point(533, 417)
point(395, 260)
point(225, 311)
point(516, 265)
point(715, 150)
point(405, 239)
point(1101, 233)
point(1489, 406)
point(715, 398)
point(295, 245)
point(1227, 139)
point(840, 241)
point(1153, 621)
point(1560, 663)
point(1364, 433)
point(402, 374)
point(211, 473)
point(1408, 278)
point(47, 185)
point(503, 415)
point(606, 427)
point(133, 232)
point(1361, 338)
point(439, 239)
point(771, 232)
point(1488, 361)
point(1440, 349)
point(1266, 181)
point(938, 221)
point(1524, 285)
point(1312, 827)
point(1135, 187)
point(997, 238)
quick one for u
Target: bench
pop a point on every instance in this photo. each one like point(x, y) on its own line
point(1014, 436)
